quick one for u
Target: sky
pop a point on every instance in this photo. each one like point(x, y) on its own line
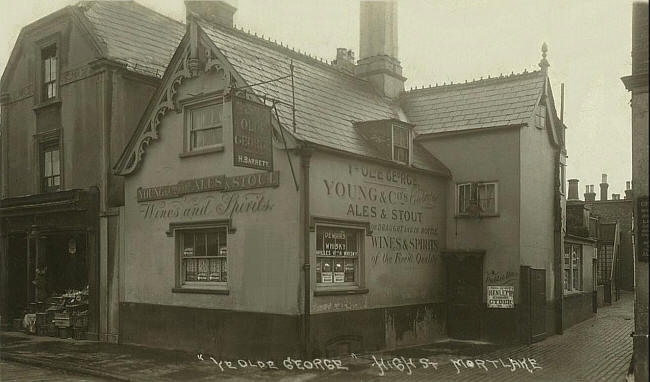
point(589, 45)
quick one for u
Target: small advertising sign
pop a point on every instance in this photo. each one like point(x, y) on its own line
point(339, 277)
point(642, 224)
point(501, 296)
point(252, 134)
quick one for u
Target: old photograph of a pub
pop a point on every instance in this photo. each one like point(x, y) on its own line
point(344, 190)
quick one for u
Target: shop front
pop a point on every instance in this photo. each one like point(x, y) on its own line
point(50, 264)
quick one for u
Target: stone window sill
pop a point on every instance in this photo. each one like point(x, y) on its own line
point(210, 150)
point(201, 291)
point(339, 292)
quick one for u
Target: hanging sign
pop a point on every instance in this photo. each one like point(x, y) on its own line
point(642, 226)
point(501, 296)
point(252, 134)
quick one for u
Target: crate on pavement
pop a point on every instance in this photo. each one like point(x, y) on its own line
point(79, 333)
point(52, 330)
point(80, 320)
point(65, 333)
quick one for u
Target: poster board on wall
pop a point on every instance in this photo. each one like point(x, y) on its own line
point(501, 296)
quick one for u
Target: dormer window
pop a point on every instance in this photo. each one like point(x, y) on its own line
point(400, 144)
point(50, 72)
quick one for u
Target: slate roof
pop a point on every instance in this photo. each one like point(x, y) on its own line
point(134, 35)
point(328, 101)
point(494, 102)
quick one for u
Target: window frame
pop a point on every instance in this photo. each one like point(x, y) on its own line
point(41, 141)
point(394, 144)
point(474, 192)
point(362, 231)
point(579, 268)
point(44, 148)
point(53, 69)
point(189, 107)
point(178, 231)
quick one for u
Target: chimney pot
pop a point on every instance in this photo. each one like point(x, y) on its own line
point(573, 189)
point(603, 188)
point(344, 60)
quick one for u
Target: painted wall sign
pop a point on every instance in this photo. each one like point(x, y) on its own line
point(642, 224)
point(252, 134)
point(397, 206)
point(501, 296)
point(210, 183)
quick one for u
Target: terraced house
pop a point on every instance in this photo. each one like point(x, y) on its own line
point(273, 203)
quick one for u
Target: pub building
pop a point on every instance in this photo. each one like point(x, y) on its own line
point(277, 204)
point(253, 228)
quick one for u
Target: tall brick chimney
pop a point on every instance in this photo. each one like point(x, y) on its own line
point(573, 189)
point(603, 188)
point(628, 190)
point(218, 12)
point(378, 48)
point(590, 195)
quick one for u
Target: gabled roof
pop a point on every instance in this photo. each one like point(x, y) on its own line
point(123, 31)
point(328, 101)
point(132, 34)
point(493, 102)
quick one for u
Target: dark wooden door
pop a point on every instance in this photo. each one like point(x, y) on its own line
point(538, 304)
point(464, 297)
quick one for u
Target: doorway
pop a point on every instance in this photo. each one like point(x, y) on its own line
point(464, 296)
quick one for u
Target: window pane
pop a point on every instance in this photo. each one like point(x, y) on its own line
point(47, 165)
point(400, 154)
point(55, 163)
point(350, 270)
point(400, 136)
point(53, 69)
point(210, 137)
point(204, 269)
point(56, 181)
point(191, 269)
point(215, 270)
point(47, 63)
point(199, 244)
point(213, 244)
point(188, 244)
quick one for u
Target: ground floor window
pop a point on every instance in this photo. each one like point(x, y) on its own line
point(572, 263)
point(338, 254)
point(203, 255)
point(605, 259)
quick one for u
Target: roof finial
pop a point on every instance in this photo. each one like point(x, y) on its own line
point(543, 63)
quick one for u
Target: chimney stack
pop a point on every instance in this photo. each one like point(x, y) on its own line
point(573, 189)
point(378, 48)
point(216, 12)
point(344, 60)
point(628, 190)
point(590, 195)
point(603, 188)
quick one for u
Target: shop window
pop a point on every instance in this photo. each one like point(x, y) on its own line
point(203, 255)
point(338, 255)
point(572, 267)
point(477, 199)
point(204, 128)
point(50, 168)
point(49, 72)
point(400, 144)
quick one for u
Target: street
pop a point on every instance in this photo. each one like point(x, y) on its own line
point(12, 371)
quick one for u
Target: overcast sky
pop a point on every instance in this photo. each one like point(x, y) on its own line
point(456, 40)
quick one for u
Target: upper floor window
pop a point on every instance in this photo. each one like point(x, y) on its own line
point(475, 199)
point(50, 168)
point(204, 127)
point(50, 69)
point(401, 144)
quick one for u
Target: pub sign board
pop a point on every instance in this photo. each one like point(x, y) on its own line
point(501, 296)
point(642, 224)
point(252, 134)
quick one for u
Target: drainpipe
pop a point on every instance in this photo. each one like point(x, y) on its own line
point(557, 263)
point(306, 329)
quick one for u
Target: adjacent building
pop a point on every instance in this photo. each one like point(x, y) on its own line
point(73, 90)
point(637, 83)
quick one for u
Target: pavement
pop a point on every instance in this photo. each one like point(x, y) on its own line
point(598, 349)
